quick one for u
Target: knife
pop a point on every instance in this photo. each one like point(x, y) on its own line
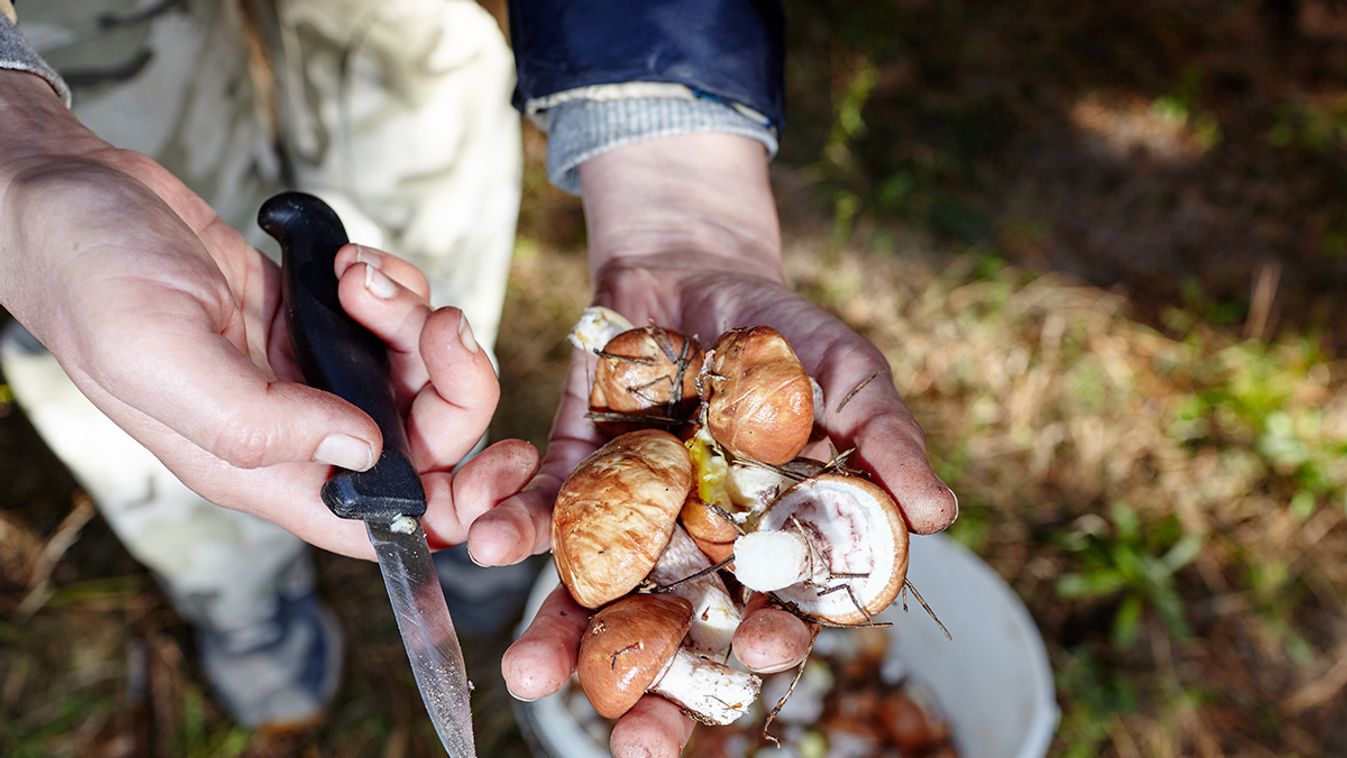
point(338, 355)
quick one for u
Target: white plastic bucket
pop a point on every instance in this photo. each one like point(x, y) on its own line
point(993, 680)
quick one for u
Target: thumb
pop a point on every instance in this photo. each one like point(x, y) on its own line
point(197, 383)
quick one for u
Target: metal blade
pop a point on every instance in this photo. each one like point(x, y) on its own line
point(427, 632)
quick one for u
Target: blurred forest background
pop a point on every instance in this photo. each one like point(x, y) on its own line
point(1104, 246)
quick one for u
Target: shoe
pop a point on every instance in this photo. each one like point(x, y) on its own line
point(277, 675)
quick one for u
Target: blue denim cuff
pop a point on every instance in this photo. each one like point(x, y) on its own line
point(583, 128)
point(733, 50)
point(17, 55)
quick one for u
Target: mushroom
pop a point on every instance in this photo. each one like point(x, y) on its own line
point(834, 546)
point(711, 532)
point(755, 486)
point(615, 513)
point(910, 724)
point(759, 400)
point(632, 647)
point(743, 488)
point(596, 326)
point(645, 378)
point(714, 614)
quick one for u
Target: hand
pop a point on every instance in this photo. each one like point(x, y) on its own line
point(683, 234)
point(171, 323)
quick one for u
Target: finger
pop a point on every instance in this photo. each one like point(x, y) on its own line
point(455, 500)
point(769, 639)
point(395, 315)
point(181, 371)
point(450, 414)
point(541, 660)
point(516, 528)
point(653, 727)
point(287, 494)
point(887, 439)
point(522, 525)
point(395, 268)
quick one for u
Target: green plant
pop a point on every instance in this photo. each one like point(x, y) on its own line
point(1256, 395)
point(839, 160)
point(1181, 107)
point(1095, 698)
point(1136, 563)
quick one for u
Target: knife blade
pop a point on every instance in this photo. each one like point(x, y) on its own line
point(338, 355)
point(427, 631)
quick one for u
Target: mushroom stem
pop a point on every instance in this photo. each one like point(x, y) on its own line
point(770, 560)
point(710, 692)
point(597, 325)
point(714, 615)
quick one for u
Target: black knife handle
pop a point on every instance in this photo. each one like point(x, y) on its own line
point(340, 356)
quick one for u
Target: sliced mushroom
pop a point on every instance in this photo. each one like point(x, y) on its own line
point(714, 614)
point(615, 513)
point(632, 647)
point(759, 400)
point(646, 378)
point(834, 546)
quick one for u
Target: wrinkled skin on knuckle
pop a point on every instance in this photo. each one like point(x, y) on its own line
point(244, 442)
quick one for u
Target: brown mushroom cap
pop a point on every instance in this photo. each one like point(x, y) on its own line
point(858, 530)
point(627, 646)
point(759, 401)
point(636, 376)
point(615, 512)
point(711, 531)
point(910, 728)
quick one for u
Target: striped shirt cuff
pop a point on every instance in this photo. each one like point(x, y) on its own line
point(579, 129)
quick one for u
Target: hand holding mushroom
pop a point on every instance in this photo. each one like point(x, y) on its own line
point(829, 545)
point(683, 234)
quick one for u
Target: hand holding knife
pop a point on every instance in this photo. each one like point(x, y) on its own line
point(338, 355)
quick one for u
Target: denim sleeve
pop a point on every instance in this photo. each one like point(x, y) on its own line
point(597, 74)
point(16, 55)
point(729, 50)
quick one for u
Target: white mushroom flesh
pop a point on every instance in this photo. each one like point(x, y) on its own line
point(767, 560)
point(753, 487)
point(714, 615)
point(596, 327)
point(857, 547)
point(710, 692)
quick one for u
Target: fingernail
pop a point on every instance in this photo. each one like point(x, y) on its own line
point(379, 285)
point(345, 451)
point(368, 257)
point(465, 334)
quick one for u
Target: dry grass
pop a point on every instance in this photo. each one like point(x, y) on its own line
point(1054, 416)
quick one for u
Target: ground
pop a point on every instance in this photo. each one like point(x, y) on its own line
point(1103, 246)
